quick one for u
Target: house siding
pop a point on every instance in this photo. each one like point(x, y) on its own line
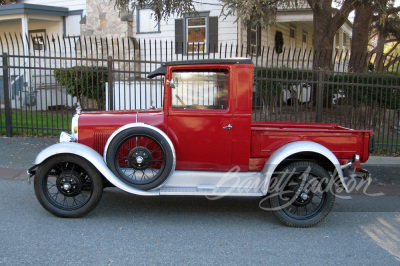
point(227, 28)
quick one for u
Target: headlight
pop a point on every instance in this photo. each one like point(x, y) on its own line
point(74, 125)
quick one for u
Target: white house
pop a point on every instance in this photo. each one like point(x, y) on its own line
point(294, 26)
point(39, 22)
point(42, 18)
point(187, 35)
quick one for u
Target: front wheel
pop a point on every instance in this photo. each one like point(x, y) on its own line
point(303, 194)
point(68, 186)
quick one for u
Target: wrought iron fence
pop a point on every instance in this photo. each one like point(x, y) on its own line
point(41, 85)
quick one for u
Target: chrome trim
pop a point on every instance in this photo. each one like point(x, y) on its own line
point(65, 137)
point(75, 126)
point(78, 108)
point(133, 125)
point(296, 147)
point(354, 159)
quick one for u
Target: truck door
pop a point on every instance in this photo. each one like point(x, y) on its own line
point(199, 117)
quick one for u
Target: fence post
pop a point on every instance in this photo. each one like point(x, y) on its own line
point(320, 96)
point(7, 95)
point(110, 83)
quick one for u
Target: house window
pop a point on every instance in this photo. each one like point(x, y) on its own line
point(304, 40)
point(196, 34)
point(279, 42)
point(38, 38)
point(254, 38)
point(193, 34)
point(292, 36)
point(146, 22)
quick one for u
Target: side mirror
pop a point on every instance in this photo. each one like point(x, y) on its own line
point(173, 83)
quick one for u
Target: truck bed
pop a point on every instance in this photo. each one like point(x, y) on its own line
point(267, 137)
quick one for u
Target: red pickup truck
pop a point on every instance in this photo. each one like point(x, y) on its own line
point(202, 142)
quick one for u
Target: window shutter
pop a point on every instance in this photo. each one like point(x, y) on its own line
point(259, 39)
point(213, 34)
point(178, 36)
point(249, 39)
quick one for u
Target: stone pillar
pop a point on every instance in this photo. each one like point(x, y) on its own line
point(105, 22)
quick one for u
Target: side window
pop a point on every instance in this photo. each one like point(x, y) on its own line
point(200, 89)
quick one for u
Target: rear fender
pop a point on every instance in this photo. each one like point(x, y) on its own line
point(94, 158)
point(290, 149)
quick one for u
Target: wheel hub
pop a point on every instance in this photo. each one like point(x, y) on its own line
point(304, 196)
point(140, 158)
point(66, 186)
point(69, 184)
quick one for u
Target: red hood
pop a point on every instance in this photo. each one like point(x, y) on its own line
point(101, 124)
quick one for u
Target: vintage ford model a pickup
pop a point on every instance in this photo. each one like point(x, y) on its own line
point(202, 142)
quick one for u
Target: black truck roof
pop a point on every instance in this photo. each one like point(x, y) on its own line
point(163, 69)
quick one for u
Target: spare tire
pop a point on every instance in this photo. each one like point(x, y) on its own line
point(141, 157)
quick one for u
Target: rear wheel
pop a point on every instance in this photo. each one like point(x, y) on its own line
point(141, 157)
point(68, 186)
point(303, 196)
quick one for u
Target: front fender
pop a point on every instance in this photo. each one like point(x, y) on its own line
point(296, 147)
point(94, 158)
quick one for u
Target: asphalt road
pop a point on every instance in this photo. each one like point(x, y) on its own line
point(128, 230)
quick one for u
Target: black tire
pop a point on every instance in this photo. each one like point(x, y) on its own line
point(68, 186)
point(303, 194)
point(140, 157)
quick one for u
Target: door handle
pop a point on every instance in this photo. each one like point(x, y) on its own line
point(228, 127)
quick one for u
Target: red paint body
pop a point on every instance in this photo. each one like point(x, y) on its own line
point(198, 136)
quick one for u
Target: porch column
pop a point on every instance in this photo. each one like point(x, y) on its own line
point(341, 33)
point(25, 32)
point(25, 44)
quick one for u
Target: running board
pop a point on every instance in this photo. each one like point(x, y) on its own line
point(210, 191)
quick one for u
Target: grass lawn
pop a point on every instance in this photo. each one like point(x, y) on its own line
point(36, 123)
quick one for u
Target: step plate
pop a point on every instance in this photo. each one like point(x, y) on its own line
point(194, 191)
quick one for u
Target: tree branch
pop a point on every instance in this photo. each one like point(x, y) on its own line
point(391, 11)
point(393, 48)
point(343, 13)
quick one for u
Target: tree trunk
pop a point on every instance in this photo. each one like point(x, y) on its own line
point(382, 34)
point(323, 35)
point(380, 58)
point(359, 45)
point(326, 23)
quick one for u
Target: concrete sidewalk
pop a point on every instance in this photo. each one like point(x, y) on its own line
point(18, 154)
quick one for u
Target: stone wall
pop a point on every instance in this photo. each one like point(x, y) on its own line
point(105, 22)
point(102, 19)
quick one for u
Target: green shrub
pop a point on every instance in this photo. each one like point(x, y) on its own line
point(270, 83)
point(84, 82)
point(375, 90)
